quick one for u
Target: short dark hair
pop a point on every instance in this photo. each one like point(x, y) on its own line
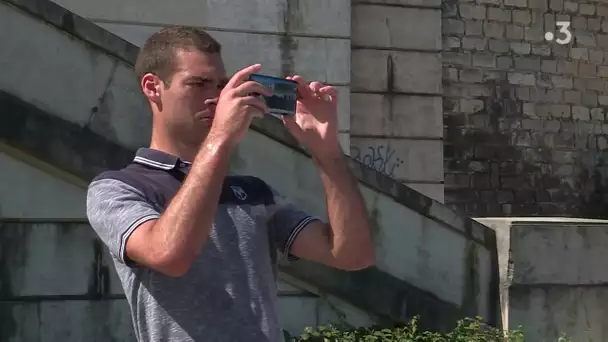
point(157, 56)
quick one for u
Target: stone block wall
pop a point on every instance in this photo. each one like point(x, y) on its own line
point(396, 122)
point(525, 129)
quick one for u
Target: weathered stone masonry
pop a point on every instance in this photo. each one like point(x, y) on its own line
point(395, 110)
point(524, 119)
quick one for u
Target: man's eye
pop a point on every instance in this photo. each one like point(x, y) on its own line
point(198, 83)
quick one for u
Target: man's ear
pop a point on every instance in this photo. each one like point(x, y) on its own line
point(151, 86)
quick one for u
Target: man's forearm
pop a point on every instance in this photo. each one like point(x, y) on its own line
point(184, 227)
point(350, 228)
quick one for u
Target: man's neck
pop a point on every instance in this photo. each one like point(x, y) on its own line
point(183, 151)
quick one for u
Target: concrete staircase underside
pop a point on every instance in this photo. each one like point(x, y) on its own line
point(69, 99)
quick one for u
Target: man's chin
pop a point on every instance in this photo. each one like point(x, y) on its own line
point(205, 120)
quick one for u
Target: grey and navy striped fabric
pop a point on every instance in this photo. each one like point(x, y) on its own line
point(229, 293)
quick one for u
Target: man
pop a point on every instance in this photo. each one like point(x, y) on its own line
point(194, 246)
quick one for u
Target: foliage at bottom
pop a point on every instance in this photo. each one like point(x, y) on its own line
point(467, 330)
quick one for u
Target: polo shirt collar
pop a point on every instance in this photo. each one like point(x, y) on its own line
point(159, 159)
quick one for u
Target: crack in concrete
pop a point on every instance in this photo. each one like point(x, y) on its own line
point(95, 110)
point(388, 31)
point(288, 45)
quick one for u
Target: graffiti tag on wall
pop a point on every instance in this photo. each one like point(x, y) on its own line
point(380, 158)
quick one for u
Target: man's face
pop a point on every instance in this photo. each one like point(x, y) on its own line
point(187, 104)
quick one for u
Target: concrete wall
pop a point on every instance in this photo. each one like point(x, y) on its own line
point(525, 117)
point(59, 284)
point(396, 105)
point(32, 192)
point(552, 276)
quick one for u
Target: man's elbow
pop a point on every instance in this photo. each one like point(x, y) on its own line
point(175, 270)
point(172, 264)
point(364, 259)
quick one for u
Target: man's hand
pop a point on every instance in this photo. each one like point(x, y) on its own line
point(237, 107)
point(315, 124)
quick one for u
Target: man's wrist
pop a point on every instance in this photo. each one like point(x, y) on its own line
point(213, 150)
point(217, 143)
point(328, 160)
point(329, 152)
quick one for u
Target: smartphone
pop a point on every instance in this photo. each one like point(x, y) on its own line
point(284, 94)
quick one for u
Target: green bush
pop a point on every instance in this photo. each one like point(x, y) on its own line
point(467, 330)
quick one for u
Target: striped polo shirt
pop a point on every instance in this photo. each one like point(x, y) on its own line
point(230, 292)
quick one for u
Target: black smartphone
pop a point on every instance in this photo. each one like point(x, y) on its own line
point(284, 94)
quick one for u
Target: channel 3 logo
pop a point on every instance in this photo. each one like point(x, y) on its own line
point(564, 29)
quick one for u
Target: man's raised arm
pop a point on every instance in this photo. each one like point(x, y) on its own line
point(345, 242)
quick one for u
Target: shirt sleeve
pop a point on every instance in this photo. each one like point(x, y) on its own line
point(287, 221)
point(114, 210)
